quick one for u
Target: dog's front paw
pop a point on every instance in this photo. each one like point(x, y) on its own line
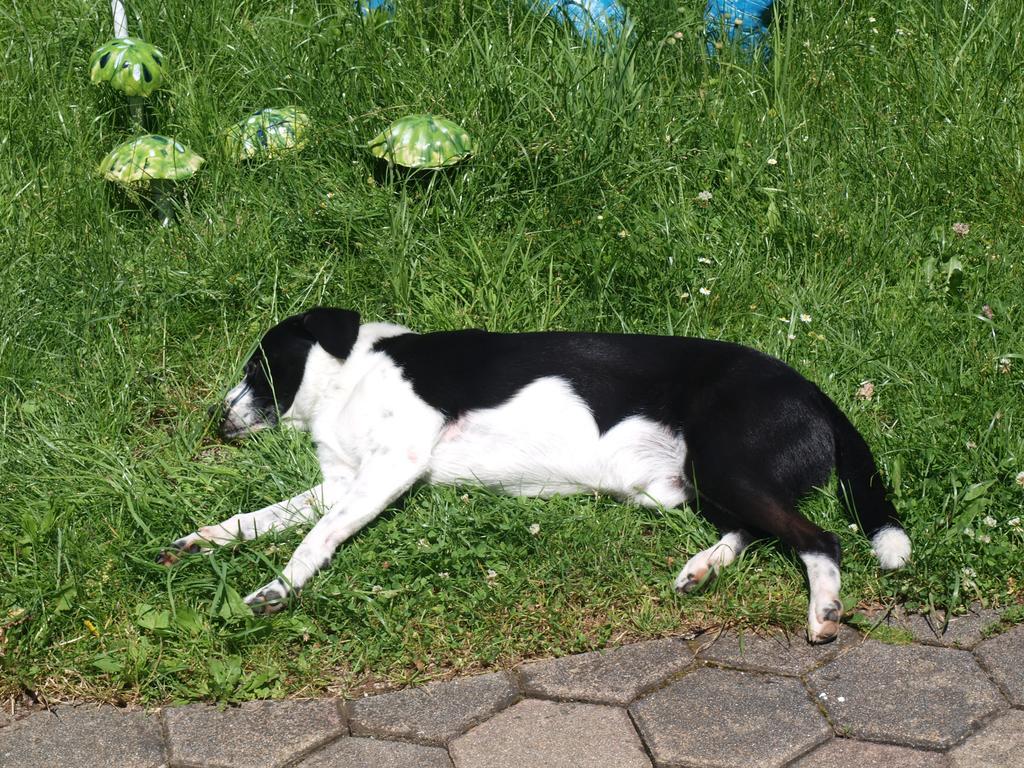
point(268, 599)
point(187, 545)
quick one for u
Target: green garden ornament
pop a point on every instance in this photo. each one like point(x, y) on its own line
point(150, 163)
point(267, 133)
point(422, 142)
point(130, 65)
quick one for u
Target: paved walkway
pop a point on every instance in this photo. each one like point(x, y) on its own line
point(949, 698)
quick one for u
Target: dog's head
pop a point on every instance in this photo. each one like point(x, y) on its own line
point(275, 372)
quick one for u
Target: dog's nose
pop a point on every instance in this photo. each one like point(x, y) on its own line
point(213, 411)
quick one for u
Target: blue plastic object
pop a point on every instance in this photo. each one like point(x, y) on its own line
point(366, 7)
point(745, 22)
point(593, 20)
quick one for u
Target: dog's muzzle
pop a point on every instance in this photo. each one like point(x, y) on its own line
point(241, 415)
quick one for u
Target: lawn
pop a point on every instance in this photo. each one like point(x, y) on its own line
point(854, 208)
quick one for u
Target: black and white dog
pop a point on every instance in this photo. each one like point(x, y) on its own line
point(657, 421)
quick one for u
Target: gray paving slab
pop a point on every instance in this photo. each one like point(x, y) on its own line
point(775, 652)
point(261, 734)
point(844, 753)
point(960, 631)
point(720, 718)
point(1000, 744)
point(356, 752)
point(915, 695)
point(1003, 656)
point(83, 736)
point(434, 713)
point(551, 734)
point(606, 677)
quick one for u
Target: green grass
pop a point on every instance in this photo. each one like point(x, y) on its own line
point(580, 211)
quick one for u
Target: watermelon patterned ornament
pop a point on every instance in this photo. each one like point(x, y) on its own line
point(149, 158)
point(130, 65)
point(268, 133)
point(422, 141)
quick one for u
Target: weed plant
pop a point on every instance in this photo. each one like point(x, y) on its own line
point(854, 208)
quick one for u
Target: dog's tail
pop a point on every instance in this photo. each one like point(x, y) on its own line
point(861, 488)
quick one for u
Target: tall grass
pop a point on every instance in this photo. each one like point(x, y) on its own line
point(835, 175)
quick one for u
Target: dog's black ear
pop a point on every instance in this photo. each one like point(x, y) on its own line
point(334, 329)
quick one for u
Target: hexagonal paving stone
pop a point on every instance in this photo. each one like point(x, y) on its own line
point(549, 734)
point(719, 718)
point(914, 695)
point(844, 753)
point(83, 736)
point(963, 631)
point(434, 713)
point(1000, 744)
point(775, 652)
point(607, 677)
point(371, 753)
point(1003, 656)
point(260, 734)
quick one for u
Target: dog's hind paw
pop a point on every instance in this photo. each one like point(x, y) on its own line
point(689, 580)
point(268, 599)
point(824, 627)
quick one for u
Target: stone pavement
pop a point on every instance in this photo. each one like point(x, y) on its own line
point(952, 697)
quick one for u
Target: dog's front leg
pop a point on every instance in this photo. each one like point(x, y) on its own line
point(303, 508)
point(381, 479)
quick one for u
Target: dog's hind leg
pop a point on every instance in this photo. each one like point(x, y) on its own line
point(772, 514)
point(299, 509)
point(702, 567)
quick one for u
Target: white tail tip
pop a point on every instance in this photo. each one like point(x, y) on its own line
point(892, 548)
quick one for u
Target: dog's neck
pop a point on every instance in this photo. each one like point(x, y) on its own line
point(329, 379)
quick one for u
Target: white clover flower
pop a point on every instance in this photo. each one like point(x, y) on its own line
point(1020, 479)
point(535, 529)
point(376, 588)
point(423, 544)
point(772, 161)
point(705, 196)
point(853, 527)
point(443, 574)
point(866, 390)
point(970, 573)
point(990, 521)
point(704, 291)
point(804, 317)
point(491, 574)
point(704, 260)
point(1013, 522)
point(962, 229)
point(969, 533)
point(791, 336)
